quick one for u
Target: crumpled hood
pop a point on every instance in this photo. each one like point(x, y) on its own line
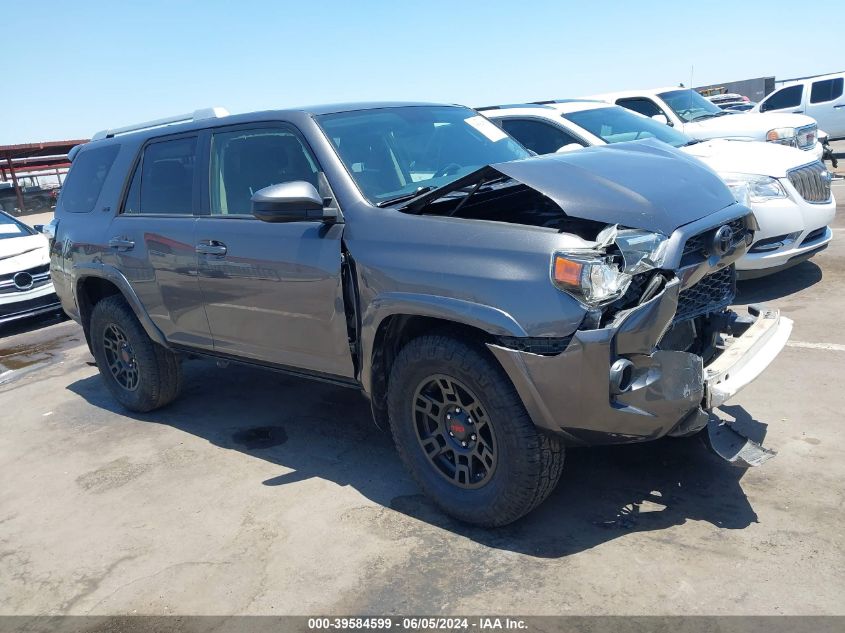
point(20, 253)
point(747, 125)
point(749, 157)
point(640, 184)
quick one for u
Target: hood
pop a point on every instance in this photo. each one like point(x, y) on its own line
point(748, 157)
point(747, 125)
point(20, 253)
point(641, 184)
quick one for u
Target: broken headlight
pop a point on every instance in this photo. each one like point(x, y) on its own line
point(600, 275)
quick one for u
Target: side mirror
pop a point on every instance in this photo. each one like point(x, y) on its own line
point(38, 227)
point(569, 147)
point(661, 118)
point(295, 201)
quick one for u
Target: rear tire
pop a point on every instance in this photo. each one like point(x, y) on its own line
point(479, 456)
point(140, 374)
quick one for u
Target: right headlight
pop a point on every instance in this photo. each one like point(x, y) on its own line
point(753, 187)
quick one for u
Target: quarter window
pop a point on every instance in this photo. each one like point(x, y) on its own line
point(540, 137)
point(826, 90)
point(784, 98)
point(163, 182)
point(86, 178)
point(244, 161)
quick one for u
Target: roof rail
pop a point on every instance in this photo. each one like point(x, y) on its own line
point(196, 115)
point(509, 105)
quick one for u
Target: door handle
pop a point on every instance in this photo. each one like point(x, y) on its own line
point(211, 247)
point(121, 243)
point(836, 107)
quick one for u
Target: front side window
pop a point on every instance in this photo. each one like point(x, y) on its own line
point(646, 107)
point(86, 177)
point(244, 161)
point(826, 90)
point(539, 136)
point(690, 106)
point(615, 125)
point(784, 98)
point(394, 152)
point(163, 183)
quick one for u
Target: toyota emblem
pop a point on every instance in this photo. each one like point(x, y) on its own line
point(23, 281)
point(723, 240)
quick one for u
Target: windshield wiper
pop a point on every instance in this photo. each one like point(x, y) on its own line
point(405, 197)
point(691, 142)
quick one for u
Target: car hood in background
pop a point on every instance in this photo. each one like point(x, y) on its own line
point(640, 184)
point(746, 125)
point(749, 157)
point(20, 253)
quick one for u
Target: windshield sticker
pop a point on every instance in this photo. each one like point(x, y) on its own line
point(487, 128)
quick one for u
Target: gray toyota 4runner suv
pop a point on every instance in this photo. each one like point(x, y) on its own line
point(492, 306)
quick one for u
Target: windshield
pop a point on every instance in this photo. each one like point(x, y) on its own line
point(689, 105)
point(9, 227)
point(615, 125)
point(393, 153)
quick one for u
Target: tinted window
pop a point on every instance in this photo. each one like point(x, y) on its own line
point(392, 152)
point(244, 161)
point(86, 178)
point(826, 90)
point(783, 98)
point(538, 136)
point(9, 227)
point(646, 107)
point(163, 182)
point(615, 125)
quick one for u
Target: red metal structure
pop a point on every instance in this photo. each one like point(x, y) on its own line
point(34, 159)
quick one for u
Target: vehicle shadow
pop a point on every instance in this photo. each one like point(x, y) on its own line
point(779, 285)
point(317, 430)
point(31, 324)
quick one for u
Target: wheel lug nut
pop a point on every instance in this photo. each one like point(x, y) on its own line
point(472, 437)
point(448, 416)
point(458, 410)
point(451, 434)
point(464, 444)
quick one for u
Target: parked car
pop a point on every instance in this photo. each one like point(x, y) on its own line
point(492, 306)
point(25, 287)
point(690, 113)
point(739, 107)
point(791, 198)
point(728, 99)
point(34, 198)
point(821, 97)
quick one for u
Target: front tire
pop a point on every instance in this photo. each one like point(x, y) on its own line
point(139, 373)
point(464, 435)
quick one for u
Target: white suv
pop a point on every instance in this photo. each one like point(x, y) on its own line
point(788, 191)
point(695, 116)
point(822, 98)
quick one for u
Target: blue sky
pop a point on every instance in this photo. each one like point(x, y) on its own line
point(85, 65)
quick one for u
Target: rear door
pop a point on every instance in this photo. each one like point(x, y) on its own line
point(151, 239)
point(827, 105)
point(272, 291)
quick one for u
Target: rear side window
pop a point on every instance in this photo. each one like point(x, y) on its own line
point(540, 137)
point(826, 90)
point(784, 98)
point(163, 182)
point(85, 180)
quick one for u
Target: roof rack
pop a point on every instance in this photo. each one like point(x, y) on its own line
point(196, 115)
point(553, 101)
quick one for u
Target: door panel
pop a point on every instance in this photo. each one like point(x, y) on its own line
point(272, 291)
point(276, 294)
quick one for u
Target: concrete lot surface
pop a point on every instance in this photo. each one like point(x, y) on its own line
point(263, 494)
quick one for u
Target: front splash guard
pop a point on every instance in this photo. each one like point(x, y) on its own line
point(734, 447)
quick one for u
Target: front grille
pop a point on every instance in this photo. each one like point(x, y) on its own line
point(697, 247)
point(712, 293)
point(812, 182)
point(39, 277)
point(805, 137)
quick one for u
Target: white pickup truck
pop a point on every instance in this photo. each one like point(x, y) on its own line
point(690, 113)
